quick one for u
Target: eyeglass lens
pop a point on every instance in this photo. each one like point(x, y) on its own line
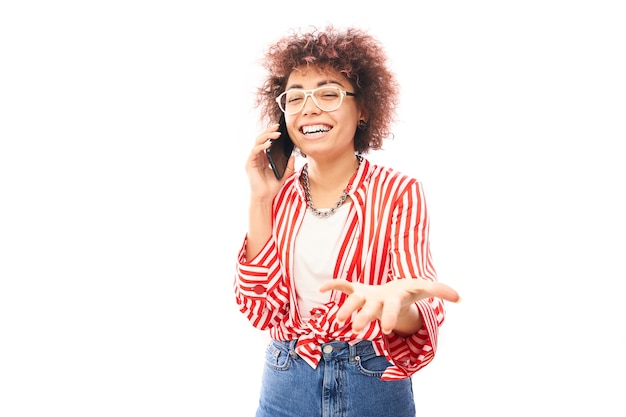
point(326, 98)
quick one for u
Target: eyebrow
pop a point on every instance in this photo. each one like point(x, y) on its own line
point(319, 84)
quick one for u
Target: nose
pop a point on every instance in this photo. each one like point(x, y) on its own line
point(309, 105)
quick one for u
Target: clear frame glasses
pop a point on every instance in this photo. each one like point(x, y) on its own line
point(326, 98)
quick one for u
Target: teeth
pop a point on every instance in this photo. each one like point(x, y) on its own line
point(315, 129)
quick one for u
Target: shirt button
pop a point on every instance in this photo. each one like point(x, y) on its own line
point(327, 349)
point(259, 289)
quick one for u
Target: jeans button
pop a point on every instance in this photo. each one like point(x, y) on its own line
point(327, 349)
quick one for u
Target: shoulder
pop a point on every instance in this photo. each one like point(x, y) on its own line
point(384, 175)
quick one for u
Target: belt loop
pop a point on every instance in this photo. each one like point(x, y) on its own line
point(292, 348)
point(292, 344)
point(353, 352)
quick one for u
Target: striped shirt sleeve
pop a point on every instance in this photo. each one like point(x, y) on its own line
point(411, 258)
point(259, 289)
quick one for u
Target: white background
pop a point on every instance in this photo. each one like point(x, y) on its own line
point(124, 128)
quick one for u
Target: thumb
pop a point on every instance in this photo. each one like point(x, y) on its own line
point(337, 284)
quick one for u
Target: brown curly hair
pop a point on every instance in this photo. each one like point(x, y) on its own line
point(352, 52)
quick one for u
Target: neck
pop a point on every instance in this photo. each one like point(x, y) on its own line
point(331, 194)
point(331, 175)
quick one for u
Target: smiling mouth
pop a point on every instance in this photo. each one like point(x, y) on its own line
point(315, 129)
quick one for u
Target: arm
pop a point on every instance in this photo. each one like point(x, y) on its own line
point(263, 188)
point(259, 288)
point(259, 226)
point(409, 306)
point(258, 284)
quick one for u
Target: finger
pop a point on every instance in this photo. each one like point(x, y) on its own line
point(421, 288)
point(270, 133)
point(353, 303)
point(443, 291)
point(389, 315)
point(257, 158)
point(369, 312)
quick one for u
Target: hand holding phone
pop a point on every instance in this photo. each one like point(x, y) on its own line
point(280, 150)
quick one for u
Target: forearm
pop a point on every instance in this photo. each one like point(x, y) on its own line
point(259, 226)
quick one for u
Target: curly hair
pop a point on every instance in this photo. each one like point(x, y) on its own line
point(353, 53)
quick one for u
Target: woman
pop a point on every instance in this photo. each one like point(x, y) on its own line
point(336, 263)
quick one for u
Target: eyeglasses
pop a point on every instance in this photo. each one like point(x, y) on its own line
point(327, 98)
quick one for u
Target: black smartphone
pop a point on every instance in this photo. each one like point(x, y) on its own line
point(280, 150)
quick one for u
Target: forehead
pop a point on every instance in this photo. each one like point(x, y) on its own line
point(315, 74)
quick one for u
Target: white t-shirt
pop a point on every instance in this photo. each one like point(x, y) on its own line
point(316, 251)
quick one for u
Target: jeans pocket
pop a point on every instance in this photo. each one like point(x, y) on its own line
point(278, 356)
point(372, 365)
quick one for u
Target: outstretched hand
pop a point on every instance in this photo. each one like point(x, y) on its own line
point(384, 302)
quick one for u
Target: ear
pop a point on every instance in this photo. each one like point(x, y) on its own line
point(363, 115)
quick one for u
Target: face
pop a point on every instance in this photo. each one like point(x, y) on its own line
point(319, 133)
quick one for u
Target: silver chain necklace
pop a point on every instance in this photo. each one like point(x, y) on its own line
point(309, 201)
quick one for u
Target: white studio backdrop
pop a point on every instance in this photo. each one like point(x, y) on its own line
point(124, 127)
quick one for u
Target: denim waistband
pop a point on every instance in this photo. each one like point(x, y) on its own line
point(336, 349)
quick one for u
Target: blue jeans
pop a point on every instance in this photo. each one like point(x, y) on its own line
point(346, 383)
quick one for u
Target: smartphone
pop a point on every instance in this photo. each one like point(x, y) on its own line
point(280, 150)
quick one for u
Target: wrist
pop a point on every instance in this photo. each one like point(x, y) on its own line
point(409, 321)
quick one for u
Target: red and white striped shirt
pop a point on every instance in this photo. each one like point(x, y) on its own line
point(386, 237)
